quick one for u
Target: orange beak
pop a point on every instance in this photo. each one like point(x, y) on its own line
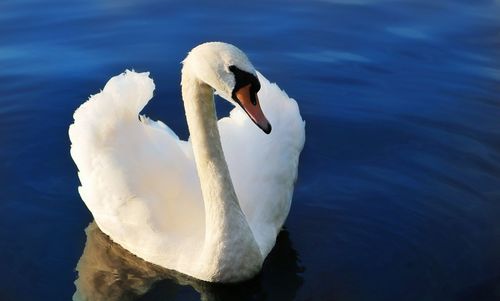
point(249, 101)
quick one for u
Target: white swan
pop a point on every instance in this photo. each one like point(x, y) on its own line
point(172, 202)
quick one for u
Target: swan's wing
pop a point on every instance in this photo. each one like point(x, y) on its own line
point(133, 172)
point(264, 167)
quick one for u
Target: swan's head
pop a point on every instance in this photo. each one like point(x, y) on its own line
point(228, 70)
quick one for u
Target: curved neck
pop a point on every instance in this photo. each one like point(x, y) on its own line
point(225, 223)
point(213, 172)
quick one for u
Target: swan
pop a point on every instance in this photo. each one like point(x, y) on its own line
point(210, 207)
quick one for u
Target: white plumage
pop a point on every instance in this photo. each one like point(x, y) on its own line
point(140, 181)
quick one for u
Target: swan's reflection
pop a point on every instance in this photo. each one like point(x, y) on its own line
point(108, 272)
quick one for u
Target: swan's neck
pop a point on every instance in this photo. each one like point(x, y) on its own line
point(228, 237)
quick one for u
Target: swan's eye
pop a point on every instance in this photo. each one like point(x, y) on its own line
point(255, 84)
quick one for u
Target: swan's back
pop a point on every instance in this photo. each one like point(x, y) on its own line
point(140, 183)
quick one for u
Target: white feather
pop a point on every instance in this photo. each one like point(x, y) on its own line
point(140, 181)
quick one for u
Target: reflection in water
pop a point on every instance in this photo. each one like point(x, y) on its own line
point(108, 272)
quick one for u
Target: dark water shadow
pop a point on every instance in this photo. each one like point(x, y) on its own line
point(488, 290)
point(106, 271)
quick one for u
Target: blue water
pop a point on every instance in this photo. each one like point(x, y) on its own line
point(398, 196)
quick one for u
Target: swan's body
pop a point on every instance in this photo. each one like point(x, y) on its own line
point(177, 203)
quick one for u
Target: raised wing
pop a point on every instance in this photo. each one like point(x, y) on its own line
point(264, 167)
point(137, 178)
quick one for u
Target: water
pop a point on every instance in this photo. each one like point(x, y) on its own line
point(398, 194)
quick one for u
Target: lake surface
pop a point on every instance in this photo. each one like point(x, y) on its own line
point(398, 196)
